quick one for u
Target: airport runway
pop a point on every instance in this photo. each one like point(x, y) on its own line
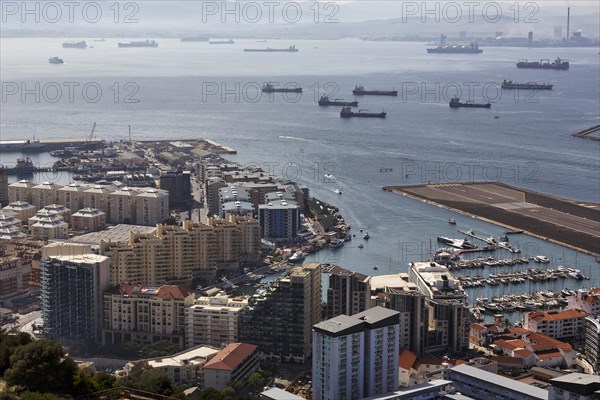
point(566, 222)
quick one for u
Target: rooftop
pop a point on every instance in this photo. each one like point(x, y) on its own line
point(553, 315)
point(279, 394)
point(499, 380)
point(195, 355)
point(163, 292)
point(231, 357)
point(117, 233)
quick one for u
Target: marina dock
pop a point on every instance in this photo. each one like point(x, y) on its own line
point(43, 145)
point(575, 225)
point(588, 133)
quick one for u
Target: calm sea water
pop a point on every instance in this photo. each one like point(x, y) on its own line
point(189, 90)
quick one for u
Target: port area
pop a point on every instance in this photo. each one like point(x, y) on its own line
point(592, 133)
point(575, 225)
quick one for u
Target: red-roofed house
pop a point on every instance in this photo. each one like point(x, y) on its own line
point(563, 325)
point(413, 370)
point(234, 363)
point(538, 349)
point(481, 334)
point(586, 300)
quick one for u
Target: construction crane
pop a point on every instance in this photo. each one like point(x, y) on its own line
point(92, 133)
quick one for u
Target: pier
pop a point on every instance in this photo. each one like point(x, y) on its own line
point(587, 133)
point(573, 224)
point(501, 245)
point(43, 145)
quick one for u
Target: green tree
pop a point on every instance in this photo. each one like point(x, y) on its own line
point(84, 382)
point(8, 345)
point(211, 394)
point(159, 349)
point(41, 366)
point(144, 377)
point(104, 380)
point(256, 381)
point(229, 392)
point(38, 396)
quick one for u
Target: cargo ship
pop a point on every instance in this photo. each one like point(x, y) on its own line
point(268, 88)
point(348, 113)
point(324, 101)
point(455, 103)
point(24, 166)
point(291, 49)
point(472, 48)
point(544, 63)
point(230, 41)
point(145, 43)
point(75, 45)
point(360, 91)
point(194, 39)
point(55, 60)
point(531, 85)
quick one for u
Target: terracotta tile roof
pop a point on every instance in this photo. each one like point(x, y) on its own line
point(166, 292)
point(427, 361)
point(549, 355)
point(511, 344)
point(523, 352)
point(231, 356)
point(553, 315)
point(543, 342)
point(478, 327)
point(519, 330)
point(509, 360)
point(406, 359)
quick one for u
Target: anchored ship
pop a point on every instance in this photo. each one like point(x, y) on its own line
point(531, 85)
point(194, 39)
point(472, 48)
point(145, 43)
point(230, 41)
point(359, 90)
point(75, 45)
point(544, 63)
point(55, 60)
point(268, 88)
point(455, 103)
point(291, 49)
point(348, 113)
point(324, 101)
point(24, 166)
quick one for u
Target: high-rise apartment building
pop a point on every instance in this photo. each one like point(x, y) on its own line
point(348, 292)
point(279, 322)
point(355, 357)
point(71, 293)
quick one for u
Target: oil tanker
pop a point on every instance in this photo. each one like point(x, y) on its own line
point(348, 113)
point(544, 63)
point(531, 85)
point(360, 91)
point(324, 101)
point(268, 88)
point(455, 103)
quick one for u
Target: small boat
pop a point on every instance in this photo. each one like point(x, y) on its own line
point(55, 60)
point(366, 236)
point(338, 191)
point(452, 221)
point(297, 257)
point(336, 243)
point(375, 267)
point(329, 176)
point(360, 246)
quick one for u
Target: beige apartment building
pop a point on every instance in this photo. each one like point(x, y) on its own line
point(20, 191)
point(152, 207)
point(213, 321)
point(135, 313)
point(44, 194)
point(88, 219)
point(71, 196)
point(174, 252)
point(98, 197)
